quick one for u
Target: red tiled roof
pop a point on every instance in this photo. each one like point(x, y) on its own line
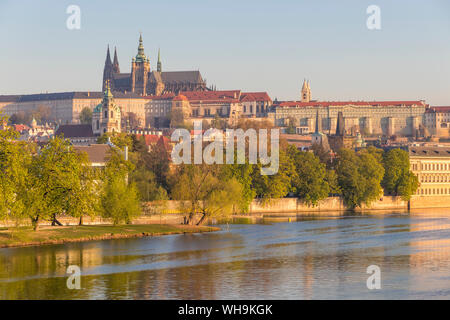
point(440, 109)
point(151, 139)
point(344, 103)
point(180, 97)
point(212, 95)
point(165, 96)
point(21, 127)
point(97, 153)
point(165, 142)
point(255, 96)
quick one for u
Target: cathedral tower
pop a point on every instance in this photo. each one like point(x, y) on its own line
point(140, 69)
point(306, 92)
point(116, 67)
point(108, 72)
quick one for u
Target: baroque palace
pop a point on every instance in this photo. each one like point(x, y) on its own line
point(403, 118)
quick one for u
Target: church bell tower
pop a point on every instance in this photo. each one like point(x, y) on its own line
point(306, 92)
point(140, 69)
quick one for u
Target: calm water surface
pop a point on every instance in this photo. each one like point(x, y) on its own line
point(308, 259)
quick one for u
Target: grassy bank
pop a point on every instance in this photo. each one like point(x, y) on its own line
point(25, 236)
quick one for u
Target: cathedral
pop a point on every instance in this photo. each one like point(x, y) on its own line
point(144, 81)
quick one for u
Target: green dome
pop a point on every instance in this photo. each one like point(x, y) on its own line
point(98, 108)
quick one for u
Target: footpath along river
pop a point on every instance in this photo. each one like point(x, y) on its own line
point(313, 258)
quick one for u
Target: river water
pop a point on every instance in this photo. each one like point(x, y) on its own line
point(305, 259)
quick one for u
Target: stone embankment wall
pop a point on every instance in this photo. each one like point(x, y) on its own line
point(276, 207)
point(336, 204)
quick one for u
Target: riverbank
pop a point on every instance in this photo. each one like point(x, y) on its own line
point(25, 236)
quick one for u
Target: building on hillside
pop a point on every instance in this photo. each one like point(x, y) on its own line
point(318, 138)
point(432, 167)
point(157, 110)
point(367, 117)
point(144, 81)
point(437, 121)
point(153, 139)
point(341, 139)
point(97, 153)
point(207, 105)
point(37, 133)
point(301, 142)
point(65, 107)
point(255, 104)
point(106, 116)
point(78, 134)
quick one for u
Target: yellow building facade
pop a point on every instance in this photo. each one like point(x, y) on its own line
point(432, 167)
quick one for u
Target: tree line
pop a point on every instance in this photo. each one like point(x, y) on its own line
point(44, 183)
point(359, 177)
point(55, 180)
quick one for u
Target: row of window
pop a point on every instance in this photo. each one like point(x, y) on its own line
point(250, 109)
point(435, 178)
point(431, 166)
point(156, 110)
point(433, 191)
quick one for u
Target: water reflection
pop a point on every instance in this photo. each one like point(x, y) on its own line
point(306, 259)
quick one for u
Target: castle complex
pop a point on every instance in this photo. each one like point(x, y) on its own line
point(144, 81)
point(149, 96)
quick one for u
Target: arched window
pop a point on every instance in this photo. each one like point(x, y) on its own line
point(106, 113)
point(112, 114)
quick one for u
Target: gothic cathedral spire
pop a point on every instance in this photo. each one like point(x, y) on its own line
point(108, 57)
point(116, 67)
point(159, 65)
point(108, 71)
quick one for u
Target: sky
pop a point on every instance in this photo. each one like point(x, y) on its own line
point(249, 45)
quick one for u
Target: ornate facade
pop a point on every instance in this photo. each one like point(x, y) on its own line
point(107, 115)
point(143, 81)
point(403, 118)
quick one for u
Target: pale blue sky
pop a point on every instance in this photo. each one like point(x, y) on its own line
point(250, 45)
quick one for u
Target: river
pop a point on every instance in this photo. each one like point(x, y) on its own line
point(313, 258)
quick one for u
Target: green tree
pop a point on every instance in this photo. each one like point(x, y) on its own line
point(158, 162)
point(243, 174)
point(85, 116)
point(119, 139)
point(322, 154)
point(120, 199)
point(310, 182)
point(398, 179)
point(14, 157)
point(54, 175)
point(359, 177)
point(408, 185)
point(84, 196)
point(149, 189)
point(332, 180)
point(201, 191)
point(274, 186)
